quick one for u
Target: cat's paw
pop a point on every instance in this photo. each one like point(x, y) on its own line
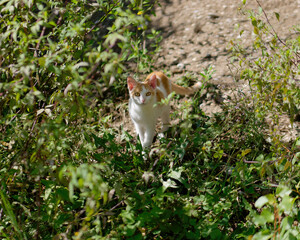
point(145, 155)
point(160, 135)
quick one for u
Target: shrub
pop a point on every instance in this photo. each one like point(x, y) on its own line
point(58, 60)
point(271, 70)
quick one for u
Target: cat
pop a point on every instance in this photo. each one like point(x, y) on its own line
point(144, 111)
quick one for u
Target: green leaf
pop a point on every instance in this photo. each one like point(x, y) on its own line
point(42, 61)
point(245, 152)
point(113, 37)
point(9, 211)
point(169, 184)
point(81, 64)
point(47, 193)
point(283, 191)
point(219, 154)
point(109, 67)
point(128, 216)
point(260, 158)
point(254, 22)
point(176, 174)
point(29, 3)
point(63, 193)
point(286, 223)
point(260, 202)
point(286, 204)
point(259, 220)
point(40, 111)
point(267, 215)
point(263, 235)
point(277, 15)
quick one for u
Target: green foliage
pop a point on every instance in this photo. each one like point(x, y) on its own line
point(271, 70)
point(69, 172)
point(278, 215)
point(59, 59)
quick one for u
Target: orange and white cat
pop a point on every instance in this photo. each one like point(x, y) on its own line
point(143, 109)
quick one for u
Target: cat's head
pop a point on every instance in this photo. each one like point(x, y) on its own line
point(142, 93)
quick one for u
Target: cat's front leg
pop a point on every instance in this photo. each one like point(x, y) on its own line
point(140, 132)
point(165, 118)
point(148, 137)
point(146, 144)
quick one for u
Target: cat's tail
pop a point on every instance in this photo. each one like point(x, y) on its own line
point(186, 90)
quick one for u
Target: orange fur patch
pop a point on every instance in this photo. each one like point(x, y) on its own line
point(162, 79)
point(159, 96)
point(166, 83)
point(137, 88)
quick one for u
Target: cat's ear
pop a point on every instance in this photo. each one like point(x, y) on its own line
point(153, 81)
point(131, 83)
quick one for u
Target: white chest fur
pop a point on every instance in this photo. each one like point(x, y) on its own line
point(142, 114)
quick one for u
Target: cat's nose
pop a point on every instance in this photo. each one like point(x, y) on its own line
point(143, 100)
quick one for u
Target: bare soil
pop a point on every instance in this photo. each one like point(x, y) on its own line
point(197, 33)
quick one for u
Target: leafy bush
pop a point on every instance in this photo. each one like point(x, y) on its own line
point(271, 70)
point(278, 216)
point(58, 60)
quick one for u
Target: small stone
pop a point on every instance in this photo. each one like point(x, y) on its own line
point(213, 16)
point(180, 66)
point(198, 27)
point(208, 57)
point(175, 69)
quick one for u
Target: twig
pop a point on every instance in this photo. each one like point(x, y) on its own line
point(38, 203)
point(154, 164)
point(117, 205)
point(39, 42)
point(102, 19)
point(274, 34)
point(93, 70)
point(245, 161)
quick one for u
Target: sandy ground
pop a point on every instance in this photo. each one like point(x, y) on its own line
point(197, 33)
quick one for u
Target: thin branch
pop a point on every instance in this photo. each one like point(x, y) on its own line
point(266, 16)
point(245, 161)
point(102, 19)
point(39, 42)
point(274, 34)
point(117, 205)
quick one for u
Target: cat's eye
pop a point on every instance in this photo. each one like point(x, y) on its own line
point(137, 94)
point(148, 93)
